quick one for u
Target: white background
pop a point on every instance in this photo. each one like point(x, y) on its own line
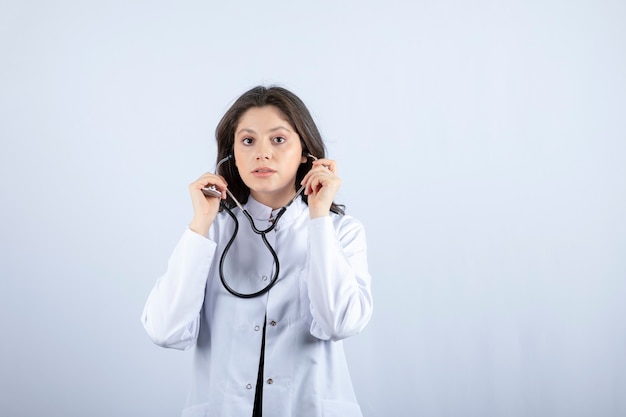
point(481, 143)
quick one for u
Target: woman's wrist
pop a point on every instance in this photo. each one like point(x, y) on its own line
point(315, 212)
point(200, 226)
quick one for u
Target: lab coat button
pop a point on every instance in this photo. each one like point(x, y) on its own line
point(257, 328)
point(273, 323)
point(249, 386)
point(264, 278)
point(270, 381)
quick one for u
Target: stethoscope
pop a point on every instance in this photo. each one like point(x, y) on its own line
point(212, 191)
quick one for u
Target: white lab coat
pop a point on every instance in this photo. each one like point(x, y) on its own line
point(323, 295)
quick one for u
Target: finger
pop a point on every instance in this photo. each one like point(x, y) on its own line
point(306, 181)
point(316, 170)
point(209, 179)
point(313, 186)
point(319, 180)
point(330, 164)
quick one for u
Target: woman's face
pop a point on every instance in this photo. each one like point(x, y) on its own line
point(268, 154)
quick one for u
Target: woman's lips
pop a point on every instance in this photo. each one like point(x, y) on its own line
point(263, 172)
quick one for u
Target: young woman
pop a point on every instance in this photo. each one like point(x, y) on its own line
point(276, 352)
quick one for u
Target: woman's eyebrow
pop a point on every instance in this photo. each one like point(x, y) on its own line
point(279, 128)
point(272, 130)
point(246, 130)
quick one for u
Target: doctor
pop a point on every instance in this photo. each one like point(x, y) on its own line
point(278, 354)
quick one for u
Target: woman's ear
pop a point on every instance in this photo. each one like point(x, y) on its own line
point(303, 159)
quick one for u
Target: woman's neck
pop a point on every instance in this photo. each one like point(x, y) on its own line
point(273, 200)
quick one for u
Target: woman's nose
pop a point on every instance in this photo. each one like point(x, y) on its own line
point(264, 152)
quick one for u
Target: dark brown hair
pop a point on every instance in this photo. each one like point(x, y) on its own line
point(298, 116)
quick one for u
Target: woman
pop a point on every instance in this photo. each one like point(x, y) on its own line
point(278, 353)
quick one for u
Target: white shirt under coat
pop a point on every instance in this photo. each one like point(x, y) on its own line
point(323, 295)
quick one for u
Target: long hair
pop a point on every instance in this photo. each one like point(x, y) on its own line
point(298, 116)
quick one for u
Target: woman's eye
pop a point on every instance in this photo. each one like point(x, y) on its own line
point(279, 139)
point(246, 141)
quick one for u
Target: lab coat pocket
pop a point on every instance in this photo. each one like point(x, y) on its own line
point(335, 408)
point(198, 410)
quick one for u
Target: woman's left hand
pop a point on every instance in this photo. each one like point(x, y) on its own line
point(321, 185)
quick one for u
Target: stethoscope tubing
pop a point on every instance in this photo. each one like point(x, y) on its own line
point(262, 233)
point(256, 230)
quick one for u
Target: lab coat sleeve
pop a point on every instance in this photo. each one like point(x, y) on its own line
point(171, 315)
point(337, 278)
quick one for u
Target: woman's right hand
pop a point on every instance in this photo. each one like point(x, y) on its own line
point(205, 208)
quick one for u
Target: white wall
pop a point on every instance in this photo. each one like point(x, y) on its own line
point(482, 144)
